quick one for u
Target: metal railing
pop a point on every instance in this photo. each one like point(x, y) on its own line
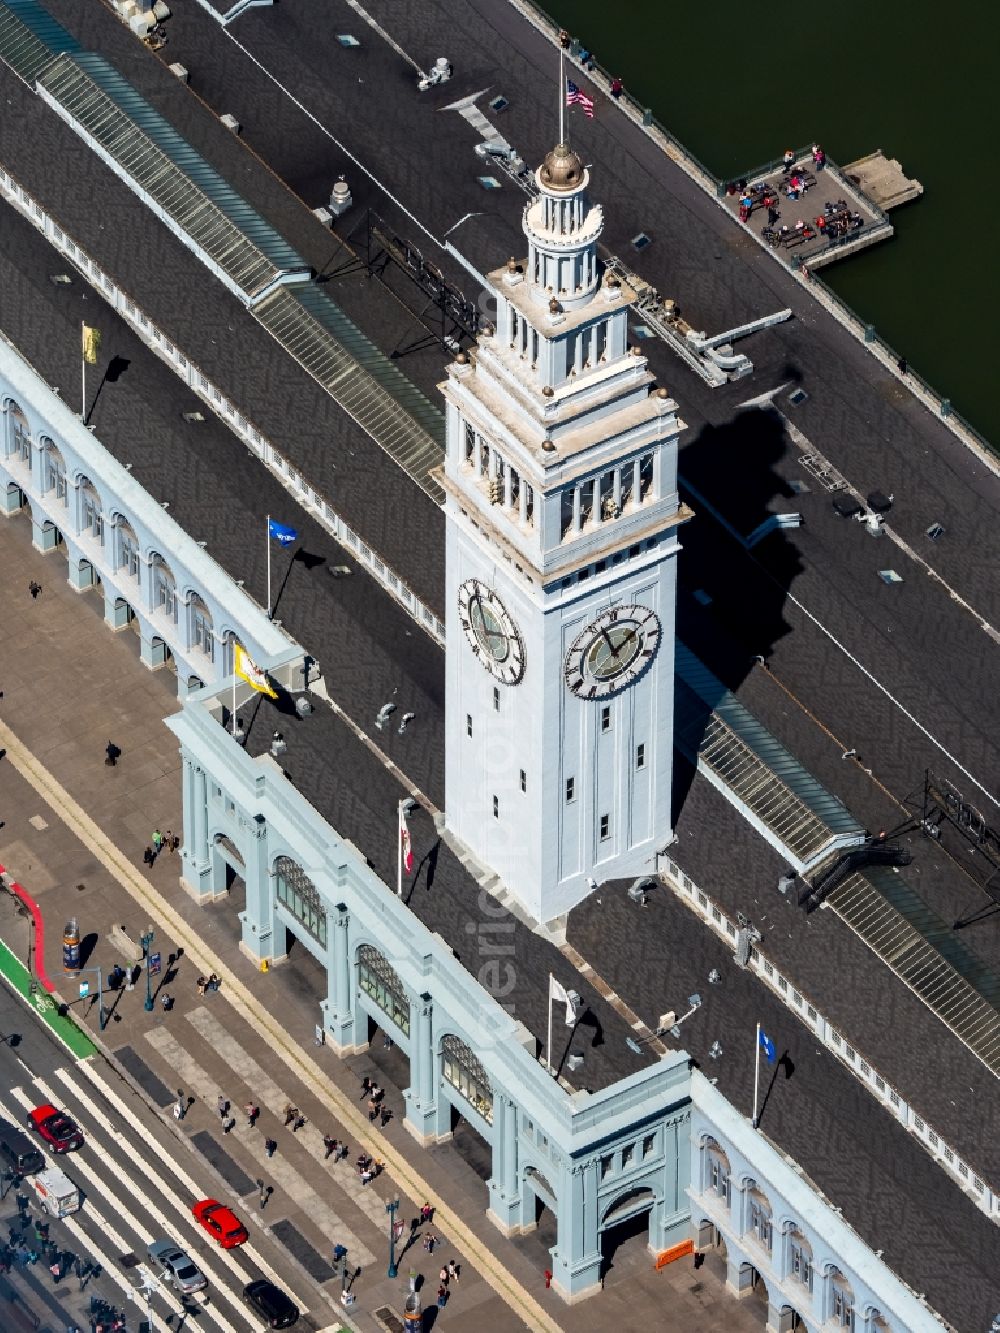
point(714, 185)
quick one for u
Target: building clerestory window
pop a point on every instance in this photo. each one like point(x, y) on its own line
point(381, 983)
point(298, 894)
point(463, 1071)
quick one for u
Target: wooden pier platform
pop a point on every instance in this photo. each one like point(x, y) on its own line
point(883, 180)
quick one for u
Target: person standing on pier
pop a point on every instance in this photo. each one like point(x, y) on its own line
point(789, 160)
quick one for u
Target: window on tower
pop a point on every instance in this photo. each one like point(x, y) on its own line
point(605, 827)
point(524, 780)
point(496, 807)
point(468, 724)
point(640, 756)
point(529, 505)
point(566, 511)
point(496, 699)
point(514, 323)
point(570, 789)
point(606, 718)
point(645, 475)
point(484, 459)
point(586, 502)
point(470, 444)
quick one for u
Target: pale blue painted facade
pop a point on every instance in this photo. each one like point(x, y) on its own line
point(118, 540)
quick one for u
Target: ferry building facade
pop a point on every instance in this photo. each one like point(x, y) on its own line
point(563, 524)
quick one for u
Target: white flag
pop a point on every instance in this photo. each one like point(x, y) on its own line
point(560, 993)
point(407, 845)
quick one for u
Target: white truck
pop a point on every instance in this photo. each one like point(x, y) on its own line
point(56, 1192)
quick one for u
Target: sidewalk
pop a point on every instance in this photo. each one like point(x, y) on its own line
point(69, 686)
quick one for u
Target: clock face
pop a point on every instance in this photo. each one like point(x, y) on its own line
point(612, 651)
point(491, 631)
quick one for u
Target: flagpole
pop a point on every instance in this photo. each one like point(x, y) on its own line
point(756, 1079)
point(267, 538)
point(548, 1049)
point(233, 710)
point(83, 373)
point(562, 97)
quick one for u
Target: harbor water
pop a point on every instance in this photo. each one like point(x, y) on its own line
point(738, 83)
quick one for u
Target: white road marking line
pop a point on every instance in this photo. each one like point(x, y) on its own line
point(107, 1264)
point(197, 1190)
point(151, 1177)
point(280, 1172)
point(364, 1197)
point(94, 1213)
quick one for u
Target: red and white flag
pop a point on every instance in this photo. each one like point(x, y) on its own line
point(404, 838)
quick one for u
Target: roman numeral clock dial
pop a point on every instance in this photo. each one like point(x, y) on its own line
point(612, 651)
point(491, 631)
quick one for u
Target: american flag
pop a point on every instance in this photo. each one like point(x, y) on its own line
point(574, 97)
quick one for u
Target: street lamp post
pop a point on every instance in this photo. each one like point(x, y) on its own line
point(392, 1208)
point(146, 942)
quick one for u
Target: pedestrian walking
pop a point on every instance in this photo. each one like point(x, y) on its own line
point(289, 1112)
point(168, 841)
point(229, 1125)
point(297, 1123)
point(213, 982)
point(34, 588)
point(386, 1116)
point(167, 1001)
point(202, 984)
point(427, 1244)
point(443, 1275)
point(112, 754)
point(179, 1109)
point(366, 1087)
point(148, 856)
point(252, 1111)
point(330, 1144)
point(616, 89)
point(432, 1241)
point(454, 1271)
point(442, 1296)
point(222, 1106)
point(175, 842)
point(788, 161)
point(548, 1278)
point(157, 839)
point(270, 1146)
point(426, 1212)
point(372, 1110)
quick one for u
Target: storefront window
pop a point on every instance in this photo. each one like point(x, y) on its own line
point(383, 987)
point(464, 1072)
point(296, 892)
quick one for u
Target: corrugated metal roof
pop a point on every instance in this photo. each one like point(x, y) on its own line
point(158, 162)
point(715, 729)
point(30, 38)
point(918, 962)
point(298, 319)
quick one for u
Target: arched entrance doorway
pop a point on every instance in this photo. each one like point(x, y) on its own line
point(624, 1232)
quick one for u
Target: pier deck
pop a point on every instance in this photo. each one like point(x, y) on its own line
point(832, 184)
point(883, 180)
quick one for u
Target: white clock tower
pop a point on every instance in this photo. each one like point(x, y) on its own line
point(562, 537)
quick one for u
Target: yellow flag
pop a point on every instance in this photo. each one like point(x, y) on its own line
point(91, 344)
point(248, 670)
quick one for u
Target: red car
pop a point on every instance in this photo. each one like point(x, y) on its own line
point(220, 1222)
point(59, 1130)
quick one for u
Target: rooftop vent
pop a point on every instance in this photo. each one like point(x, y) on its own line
point(797, 396)
point(641, 241)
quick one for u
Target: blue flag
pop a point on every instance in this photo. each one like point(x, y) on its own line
point(281, 533)
point(767, 1046)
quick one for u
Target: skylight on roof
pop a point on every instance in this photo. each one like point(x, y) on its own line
point(488, 182)
point(345, 39)
point(890, 576)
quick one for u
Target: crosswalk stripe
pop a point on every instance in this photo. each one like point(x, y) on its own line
point(170, 1229)
point(281, 1172)
point(94, 1214)
point(364, 1197)
point(250, 1251)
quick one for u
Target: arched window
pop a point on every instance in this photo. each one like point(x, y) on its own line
point(91, 515)
point(164, 589)
point(464, 1072)
point(202, 634)
point(759, 1217)
point(800, 1259)
point(381, 983)
point(841, 1302)
point(53, 471)
point(717, 1172)
point(18, 444)
point(295, 891)
point(127, 555)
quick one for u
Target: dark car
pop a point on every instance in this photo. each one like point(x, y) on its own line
point(60, 1131)
point(270, 1301)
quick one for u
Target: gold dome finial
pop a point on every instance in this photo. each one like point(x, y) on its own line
point(562, 169)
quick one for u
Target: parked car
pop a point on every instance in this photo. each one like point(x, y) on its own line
point(177, 1266)
point(270, 1301)
point(59, 1130)
point(220, 1222)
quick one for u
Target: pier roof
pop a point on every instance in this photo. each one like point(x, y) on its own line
point(900, 673)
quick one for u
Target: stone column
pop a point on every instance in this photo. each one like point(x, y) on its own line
point(42, 538)
point(115, 609)
point(257, 920)
point(197, 872)
point(80, 572)
point(505, 1195)
point(576, 1257)
point(577, 508)
point(11, 497)
point(422, 1110)
point(342, 1017)
point(739, 1274)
